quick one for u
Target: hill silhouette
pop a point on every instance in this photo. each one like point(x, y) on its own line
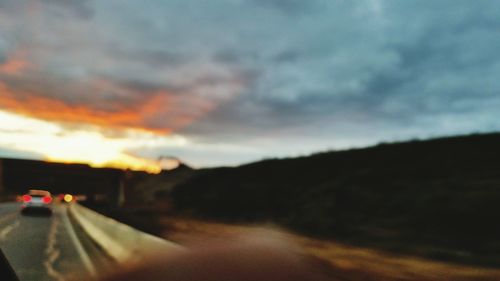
point(439, 198)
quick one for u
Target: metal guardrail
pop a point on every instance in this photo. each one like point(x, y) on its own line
point(118, 240)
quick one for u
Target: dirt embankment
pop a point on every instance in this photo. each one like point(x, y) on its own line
point(345, 262)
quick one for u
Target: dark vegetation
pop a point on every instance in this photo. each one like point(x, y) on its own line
point(438, 198)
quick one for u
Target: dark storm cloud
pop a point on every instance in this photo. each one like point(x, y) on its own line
point(438, 64)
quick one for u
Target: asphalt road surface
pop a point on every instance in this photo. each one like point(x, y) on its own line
point(42, 248)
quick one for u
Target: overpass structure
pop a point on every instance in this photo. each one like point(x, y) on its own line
point(101, 186)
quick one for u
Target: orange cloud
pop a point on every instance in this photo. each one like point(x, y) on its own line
point(14, 66)
point(111, 106)
point(16, 63)
point(159, 112)
point(123, 117)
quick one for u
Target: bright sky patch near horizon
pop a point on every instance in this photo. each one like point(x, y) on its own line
point(123, 83)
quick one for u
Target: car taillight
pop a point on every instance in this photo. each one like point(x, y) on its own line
point(26, 198)
point(47, 199)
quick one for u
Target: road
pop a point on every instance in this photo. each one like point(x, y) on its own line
point(46, 248)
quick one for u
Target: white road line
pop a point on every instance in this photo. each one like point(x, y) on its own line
point(78, 245)
point(52, 252)
point(8, 216)
point(6, 230)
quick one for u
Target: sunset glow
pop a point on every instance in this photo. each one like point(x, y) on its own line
point(84, 146)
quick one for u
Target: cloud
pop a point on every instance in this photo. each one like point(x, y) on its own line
point(287, 6)
point(8, 152)
point(109, 106)
point(356, 70)
point(80, 8)
point(13, 66)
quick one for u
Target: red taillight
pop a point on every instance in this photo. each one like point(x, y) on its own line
point(47, 199)
point(26, 198)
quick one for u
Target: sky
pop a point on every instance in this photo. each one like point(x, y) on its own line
point(124, 83)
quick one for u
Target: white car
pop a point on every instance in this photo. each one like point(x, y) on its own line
point(37, 200)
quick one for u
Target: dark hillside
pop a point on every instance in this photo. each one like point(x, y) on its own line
point(438, 197)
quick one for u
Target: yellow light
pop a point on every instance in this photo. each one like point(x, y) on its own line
point(68, 198)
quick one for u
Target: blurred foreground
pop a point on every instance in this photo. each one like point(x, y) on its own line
point(343, 262)
point(260, 255)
